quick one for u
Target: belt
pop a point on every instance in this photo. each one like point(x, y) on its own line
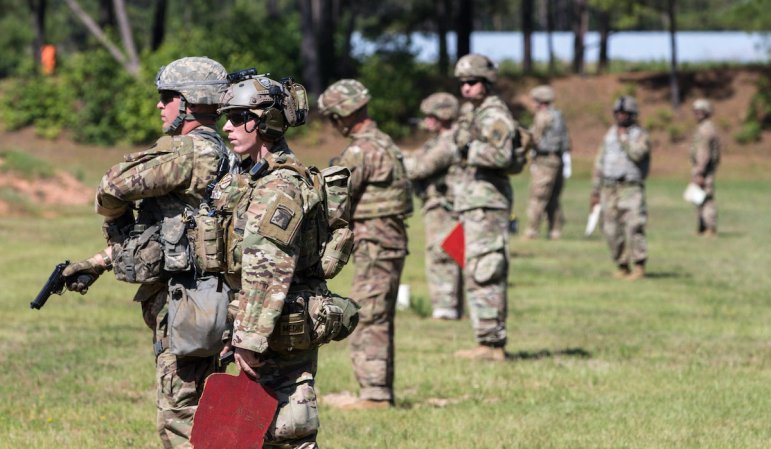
point(610, 182)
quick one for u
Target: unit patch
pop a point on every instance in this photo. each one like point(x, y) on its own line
point(281, 220)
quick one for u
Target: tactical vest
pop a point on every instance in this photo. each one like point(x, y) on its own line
point(553, 140)
point(157, 243)
point(706, 130)
point(616, 164)
point(386, 198)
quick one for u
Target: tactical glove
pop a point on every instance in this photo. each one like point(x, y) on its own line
point(79, 276)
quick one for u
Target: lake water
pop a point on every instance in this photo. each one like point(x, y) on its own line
point(729, 46)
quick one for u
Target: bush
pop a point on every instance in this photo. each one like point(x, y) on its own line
point(396, 95)
point(23, 164)
point(748, 133)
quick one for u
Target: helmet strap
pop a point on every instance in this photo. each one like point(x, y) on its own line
point(181, 117)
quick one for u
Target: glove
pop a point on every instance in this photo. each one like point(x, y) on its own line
point(79, 276)
point(594, 200)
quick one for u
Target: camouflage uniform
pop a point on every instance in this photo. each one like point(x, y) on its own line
point(620, 169)
point(550, 138)
point(169, 178)
point(434, 170)
point(484, 198)
point(705, 158)
point(174, 173)
point(271, 236)
point(381, 198)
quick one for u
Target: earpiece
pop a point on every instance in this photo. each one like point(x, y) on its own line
point(272, 124)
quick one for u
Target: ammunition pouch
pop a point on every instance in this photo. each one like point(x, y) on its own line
point(209, 241)
point(138, 259)
point(198, 315)
point(336, 252)
point(176, 247)
point(292, 331)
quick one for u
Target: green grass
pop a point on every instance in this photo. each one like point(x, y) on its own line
point(681, 359)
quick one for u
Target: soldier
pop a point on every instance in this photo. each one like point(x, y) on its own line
point(483, 198)
point(551, 149)
point(170, 179)
point(433, 170)
point(618, 185)
point(272, 220)
point(705, 157)
point(381, 200)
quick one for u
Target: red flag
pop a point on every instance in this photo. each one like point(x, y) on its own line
point(234, 412)
point(454, 244)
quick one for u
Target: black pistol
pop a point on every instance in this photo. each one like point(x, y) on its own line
point(55, 284)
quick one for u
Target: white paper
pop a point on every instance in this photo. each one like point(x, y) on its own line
point(567, 165)
point(403, 297)
point(592, 220)
point(694, 194)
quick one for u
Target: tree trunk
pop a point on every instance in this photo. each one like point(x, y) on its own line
point(675, 89)
point(442, 15)
point(580, 23)
point(603, 23)
point(126, 36)
point(102, 38)
point(527, 36)
point(38, 10)
point(550, 37)
point(106, 16)
point(159, 24)
point(464, 27)
point(325, 30)
point(346, 64)
point(273, 10)
point(309, 54)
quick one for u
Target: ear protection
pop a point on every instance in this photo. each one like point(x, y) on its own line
point(272, 124)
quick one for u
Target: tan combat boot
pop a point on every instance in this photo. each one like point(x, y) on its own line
point(638, 272)
point(709, 232)
point(622, 272)
point(530, 234)
point(483, 352)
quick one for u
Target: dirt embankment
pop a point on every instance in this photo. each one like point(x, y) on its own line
point(585, 101)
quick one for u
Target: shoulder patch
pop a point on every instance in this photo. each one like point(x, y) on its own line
point(498, 132)
point(281, 220)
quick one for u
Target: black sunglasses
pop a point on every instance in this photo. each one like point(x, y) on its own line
point(238, 118)
point(471, 82)
point(167, 96)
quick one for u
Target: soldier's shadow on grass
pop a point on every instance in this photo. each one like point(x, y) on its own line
point(580, 353)
point(667, 274)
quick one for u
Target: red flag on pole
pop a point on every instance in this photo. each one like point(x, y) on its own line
point(454, 244)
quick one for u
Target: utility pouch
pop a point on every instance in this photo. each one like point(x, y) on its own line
point(291, 334)
point(139, 258)
point(209, 242)
point(176, 252)
point(337, 251)
point(333, 317)
point(197, 318)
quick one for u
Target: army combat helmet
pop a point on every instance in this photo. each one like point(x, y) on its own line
point(703, 105)
point(542, 94)
point(626, 104)
point(198, 80)
point(441, 105)
point(276, 105)
point(343, 98)
point(476, 66)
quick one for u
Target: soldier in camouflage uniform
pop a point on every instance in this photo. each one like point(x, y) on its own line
point(434, 170)
point(705, 158)
point(618, 185)
point(271, 222)
point(551, 146)
point(483, 198)
point(169, 178)
point(381, 199)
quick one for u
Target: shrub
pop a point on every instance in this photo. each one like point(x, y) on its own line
point(24, 164)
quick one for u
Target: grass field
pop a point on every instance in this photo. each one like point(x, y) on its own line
point(681, 359)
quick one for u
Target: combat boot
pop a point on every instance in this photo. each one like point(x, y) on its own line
point(555, 235)
point(483, 352)
point(709, 232)
point(622, 272)
point(530, 234)
point(638, 272)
